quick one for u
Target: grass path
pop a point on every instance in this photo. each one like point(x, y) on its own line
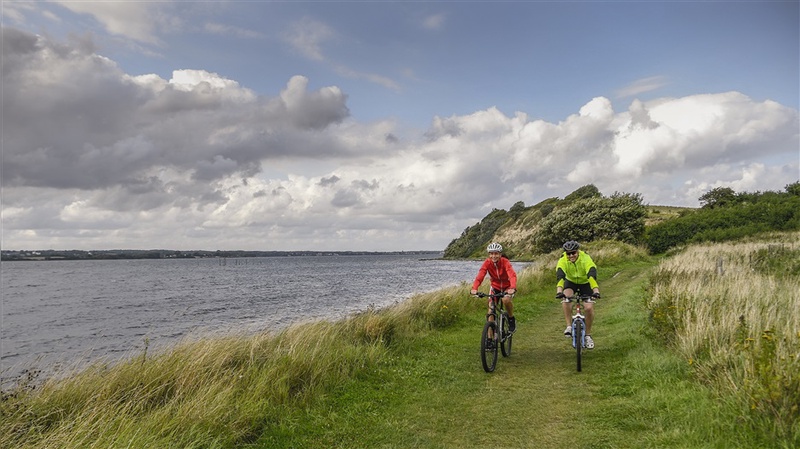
point(631, 393)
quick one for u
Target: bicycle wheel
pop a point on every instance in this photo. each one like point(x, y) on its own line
point(489, 346)
point(577, 337)
point(505, 335)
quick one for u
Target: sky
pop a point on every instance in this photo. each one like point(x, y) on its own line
point(375, 125)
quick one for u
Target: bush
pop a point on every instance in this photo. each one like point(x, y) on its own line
point(752, 214)
point(620, 217)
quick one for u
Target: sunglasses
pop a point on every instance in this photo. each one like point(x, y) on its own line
point(571, 253)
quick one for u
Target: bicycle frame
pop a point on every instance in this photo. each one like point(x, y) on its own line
point(497, 308)
point(495, 332)
point(578, 326)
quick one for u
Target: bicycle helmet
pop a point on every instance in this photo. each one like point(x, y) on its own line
point(571, 245)
point(494, 247)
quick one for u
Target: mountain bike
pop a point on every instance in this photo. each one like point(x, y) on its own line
point(578, 325)
point(491, 339)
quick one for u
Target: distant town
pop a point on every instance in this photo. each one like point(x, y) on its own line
point(172, 254)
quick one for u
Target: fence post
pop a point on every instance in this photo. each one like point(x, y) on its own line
point(720, 269)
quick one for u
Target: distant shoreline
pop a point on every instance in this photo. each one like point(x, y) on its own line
point(52, 255)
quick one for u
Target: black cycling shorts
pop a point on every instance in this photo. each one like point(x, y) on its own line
point(582, 289)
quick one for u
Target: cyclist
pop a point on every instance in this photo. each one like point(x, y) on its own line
point(503, 277)
point(576, 271)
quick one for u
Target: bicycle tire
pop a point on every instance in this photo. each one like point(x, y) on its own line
point(489, 355)
point(505, 336)
point(577, 332)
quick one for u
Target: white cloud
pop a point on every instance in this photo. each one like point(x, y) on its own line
point(642, 85)
point(139, 21)
point(96, 158)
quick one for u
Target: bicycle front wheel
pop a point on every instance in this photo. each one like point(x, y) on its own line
point(505, 336)
point(577, 335)
point(489, 344)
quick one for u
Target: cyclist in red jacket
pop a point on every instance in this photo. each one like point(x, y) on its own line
point(504, 279)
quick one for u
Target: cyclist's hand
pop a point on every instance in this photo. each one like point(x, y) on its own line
point(596, 295)
point(473, 292)
point(511, 291)
point(560, 295)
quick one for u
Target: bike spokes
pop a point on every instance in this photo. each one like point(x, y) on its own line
point(489, 342)
point(505, 336)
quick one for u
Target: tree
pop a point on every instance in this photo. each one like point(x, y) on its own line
point(517, 209)
point(585, 192)
point(620, 217)
point(793, 188)
point(718, 197)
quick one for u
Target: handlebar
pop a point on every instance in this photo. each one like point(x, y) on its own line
point(490, 295)
point(579, 298)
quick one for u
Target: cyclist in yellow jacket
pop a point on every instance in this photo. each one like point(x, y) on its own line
point(576, 271)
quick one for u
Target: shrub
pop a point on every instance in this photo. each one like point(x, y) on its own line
point(761, 212)
point(619, 217)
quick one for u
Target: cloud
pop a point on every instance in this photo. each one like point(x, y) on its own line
point(73, 119)
point(641, 86)
point(97, 158)
point(228, 30)
point(307, 37)
point(139, 21)
point(434, 22)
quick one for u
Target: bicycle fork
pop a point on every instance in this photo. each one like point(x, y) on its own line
point(578, 318)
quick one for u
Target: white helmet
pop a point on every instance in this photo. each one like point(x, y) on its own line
point(494, 247)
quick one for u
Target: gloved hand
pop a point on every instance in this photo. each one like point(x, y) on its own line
point(560, 295)
point(596, 295)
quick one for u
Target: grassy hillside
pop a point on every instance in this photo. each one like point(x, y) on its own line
point(410, 375)
point(586, 215)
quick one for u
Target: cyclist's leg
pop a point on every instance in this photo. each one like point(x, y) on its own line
point(588, 307)
point(509, 305)
point(490, 313)
point(567, 306)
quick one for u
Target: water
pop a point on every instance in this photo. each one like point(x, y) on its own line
point(64, 313)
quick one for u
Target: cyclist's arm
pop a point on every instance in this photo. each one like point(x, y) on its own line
point(560, 276)
point(481, 276)
point(591, 273)
point(512, 276)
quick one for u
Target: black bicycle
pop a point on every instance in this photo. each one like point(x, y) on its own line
point(578, 325)
point(491, 339)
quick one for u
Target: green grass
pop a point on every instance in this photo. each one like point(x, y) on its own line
point(406, 377)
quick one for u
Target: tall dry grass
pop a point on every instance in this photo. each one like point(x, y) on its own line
point(733, 311)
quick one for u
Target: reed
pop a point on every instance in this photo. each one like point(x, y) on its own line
point(733, 311)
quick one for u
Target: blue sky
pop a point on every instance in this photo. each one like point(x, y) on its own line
point(377, 125)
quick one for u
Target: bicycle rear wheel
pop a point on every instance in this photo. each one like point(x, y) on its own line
point(505, 335)
point(577, 336)
point(489, 344)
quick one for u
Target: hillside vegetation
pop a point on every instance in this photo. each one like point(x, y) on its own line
point(586, 215)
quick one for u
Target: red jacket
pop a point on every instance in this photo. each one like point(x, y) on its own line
point(502, 274)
